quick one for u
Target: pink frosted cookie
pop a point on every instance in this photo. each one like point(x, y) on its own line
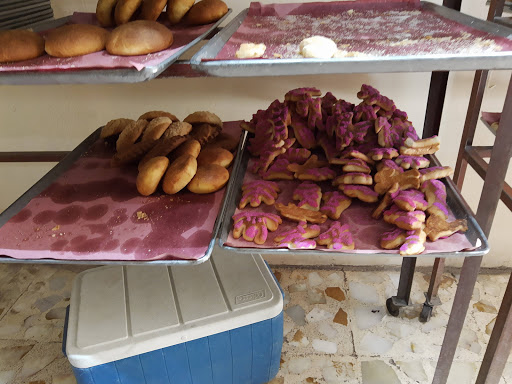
point(410, 200)
point(329, 148)
point(435, 193)
point(337, 237)
point(315, 118)
point(372, 96)
point(303, 133)
point(353, 178)
point(312, 169)
point(302, 93)
point(403, 219)
point(389, 164)
point(309, 196)
point(378, 154)
point(386, 201)
point(296, 155)
point(254, 226)
point(278, 171)
point(338, 128)
point(435, 173)
point(360, 192)
point(257, 192)
point(400, 114)
point(334, 204)
point(350, 153)
point(415, 162)
point(267, 157)
point(299, 237)
point(360, 131)
point(365, 112)
point(386, 177)
point(410, 242)
point(387, 136)
point(393, 239)
point(357, 166)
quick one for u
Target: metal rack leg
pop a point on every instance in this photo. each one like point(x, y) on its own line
point(401, 299)
point(431, 298)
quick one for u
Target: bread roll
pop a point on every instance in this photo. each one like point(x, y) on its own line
point(206, 12)
point(151, 9)
point(179, 174)
point(176, 9)
point(149, 177)
point(75, 40)
point(139, 37)
point(125, 9)
point(216, 155)
point(209, 178)
point(19, 45)
point(105, 12)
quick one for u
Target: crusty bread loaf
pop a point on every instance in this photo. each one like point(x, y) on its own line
point(176, 9)
point(139, 38)
point(206, 11)
point(151, 9)
point(105, 12)
point(125, 9)
point(20, 45)
point(75, 40)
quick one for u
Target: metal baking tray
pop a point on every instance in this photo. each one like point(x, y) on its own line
point(53, 175)
point(204, 59)
point(96, 76)
point(455, 201)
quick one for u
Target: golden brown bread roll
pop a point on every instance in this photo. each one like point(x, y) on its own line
point(206, 11)
point(190, 147)
point(151, 9)
point(125, 9)
point(209, 178)
point(179, 174)
point(19, 45)
point(75, 40)
point(176, 9)
point(105, 12)
point(215, 155)
point(150, 175)
point(139, 37)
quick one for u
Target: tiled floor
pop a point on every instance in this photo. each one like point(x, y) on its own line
point(336, 327)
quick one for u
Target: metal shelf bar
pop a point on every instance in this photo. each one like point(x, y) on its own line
point(32, 156)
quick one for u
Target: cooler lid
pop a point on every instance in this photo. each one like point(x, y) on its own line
point(122, 311)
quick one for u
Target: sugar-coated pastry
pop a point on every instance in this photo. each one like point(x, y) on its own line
point(75, 40)
point(154, 114)
point(257, 192)
point(435, 193)
point(334, 204)
point(125, 9)
point(403, 219)
point(353, 178)
point(177, 128)
point(209, 178)
point(337, 237)
point(114, 127)
point(410, 200)
point(139, 37)
point(19, 45)
point(219, 156)
point(292, 212)
point(190, 147)
point(177, 9)
point(254, 226)
point(436, 227)
point(130, 134)
point(105, 12)
point(179, 174)
point(156, 128)
point(203, 117)
point(299, 237)
point(150, 175)
point(309, 196)
point(151, 9)
point(360, 192)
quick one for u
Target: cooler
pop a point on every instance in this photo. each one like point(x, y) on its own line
point(219, 322)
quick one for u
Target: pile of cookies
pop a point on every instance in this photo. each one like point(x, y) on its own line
point(175, 154)
point(369, 151)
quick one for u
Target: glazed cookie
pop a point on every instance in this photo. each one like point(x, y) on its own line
point(309, 196)
point(437, 227)
point(410, 200)
point(219, 156)
point(130, 134)
point(254, 226)
point(435, 193)
point(337, 237)
point(299, 237)
point(353, 178)
point(150, 175)
point(179, 174)
point(292, 212)
point(278, 171)
point(403, 219)
point(385, 178)
point(208, 179)
point(334, 204)
point(360, 192)
point(114, 127)
point(415, 162)
point(257, 192)
point(435, 173)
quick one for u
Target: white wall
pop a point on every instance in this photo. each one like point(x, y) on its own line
point(59, 117)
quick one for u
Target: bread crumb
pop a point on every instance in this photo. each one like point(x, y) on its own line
point(56, 228)
point(142, 215)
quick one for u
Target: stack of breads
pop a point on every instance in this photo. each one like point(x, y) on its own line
point(192, 154)
point(137, 31)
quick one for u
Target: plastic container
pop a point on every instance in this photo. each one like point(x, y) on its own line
point(219, 322)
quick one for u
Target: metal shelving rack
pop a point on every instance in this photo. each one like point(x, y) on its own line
point(494, 175)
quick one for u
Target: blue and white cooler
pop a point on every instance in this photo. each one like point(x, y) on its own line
point(219, 322)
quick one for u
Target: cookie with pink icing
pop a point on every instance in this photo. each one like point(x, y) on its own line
point(313, 169)
point(337, 127)
point(309, 196)
point(299, 237)
point(351, 153)
point(400, 114)
point(360, 131)
point(257, 192)
point(410, 200)
point(360, 192)
point(386, 135)
point(353, 178)
point(267, 157)
point(302, 132)
point(416, 162)
point(334, 204)
point(372, 96)
point(386, 177)
point(435, 173)
point(296, 155)
point(435, 193)
point(254, 226)
point(403, 219)
point(437, 227)
point(386, 201)
point(302, 93)
point(365, 112)
point(337, 237)
point(389, 164)
point(357, 166)
point(315, 118)
point(278, 171)
point(410, 242)
point(294, 213)
point(329, 147)
point(378, 154)
point(393, 239)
